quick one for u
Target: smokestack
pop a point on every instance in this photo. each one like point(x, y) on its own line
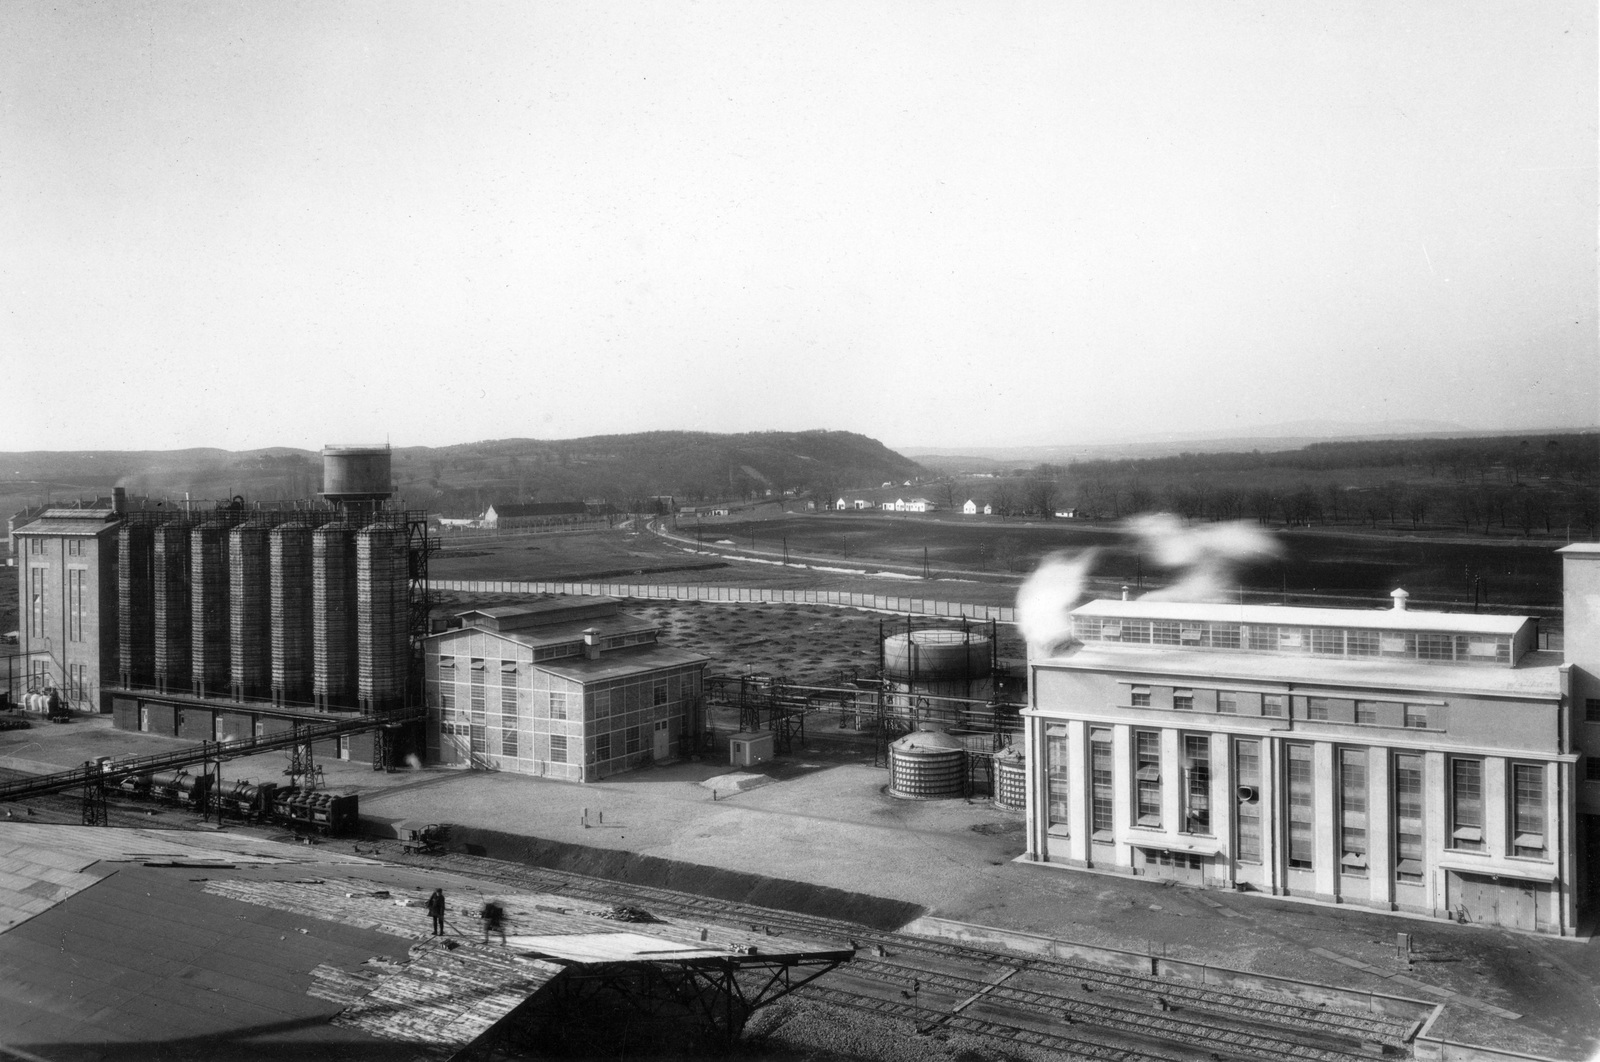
point(591, 643)
point(119, 500)
point(1399, 600)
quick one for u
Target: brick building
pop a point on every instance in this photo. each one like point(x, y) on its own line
point(568, 688)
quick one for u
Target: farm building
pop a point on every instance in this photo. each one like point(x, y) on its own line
point(567, 688)
point(505, 516)
point(1428, 762)
point(971, 508)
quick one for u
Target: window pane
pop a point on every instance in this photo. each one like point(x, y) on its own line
point(1299, 802)
point(1057, 781)
point(1102, 780)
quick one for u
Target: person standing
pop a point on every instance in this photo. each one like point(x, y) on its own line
point(494, 921)
point(436, 911)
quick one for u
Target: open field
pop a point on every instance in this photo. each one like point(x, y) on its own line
point(1315, 564)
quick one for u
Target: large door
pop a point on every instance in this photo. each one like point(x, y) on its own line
point(1497, 902)
point(661, 742)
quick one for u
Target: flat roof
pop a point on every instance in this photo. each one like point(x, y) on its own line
point(561, 633)
point(1297, 616)
point(87, 525)
point(621, 663)
point(1536, 675)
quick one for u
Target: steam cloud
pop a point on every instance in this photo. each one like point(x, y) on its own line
point(1206, 559)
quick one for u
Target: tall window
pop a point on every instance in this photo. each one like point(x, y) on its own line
point(1527, 812)
point(478, 692)
point(1353, 811)
point(1102, 779)
point(36, 583)
point(658, 694)
point(558, 704)
point(1300, 810)
point(633, 740)
point(1147, 777)
point(1466, 804)
point(1408, 818)
point(1057, 780)
point(1272, 705)
point(508, 690)
point(75, 604)
point(1247, 763)
point(602, 747)
point(1197, 783)
point(447, 682)
point(558, 748)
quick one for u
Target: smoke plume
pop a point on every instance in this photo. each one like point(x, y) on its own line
point(1206, 560)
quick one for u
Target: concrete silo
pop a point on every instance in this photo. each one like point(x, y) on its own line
point(171, 634)
point(290, 548)
point(209, 608)
point(381, 617)
point(249, 610)
point(333, 611)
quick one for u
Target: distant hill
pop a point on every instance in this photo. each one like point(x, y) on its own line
point(463, 479)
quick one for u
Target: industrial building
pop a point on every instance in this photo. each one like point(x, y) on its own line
point(505, 516)
point(230, 621)
point(1396, 759)
point(566, 688)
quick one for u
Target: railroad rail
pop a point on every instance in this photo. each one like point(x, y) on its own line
point(108, 773)
point(1097, 1013)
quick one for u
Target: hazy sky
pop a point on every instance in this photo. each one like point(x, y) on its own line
point(255, 224)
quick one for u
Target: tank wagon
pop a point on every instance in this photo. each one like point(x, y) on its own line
point(247, 800)
point(181, 787)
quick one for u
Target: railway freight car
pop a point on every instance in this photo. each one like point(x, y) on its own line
point(317, 809)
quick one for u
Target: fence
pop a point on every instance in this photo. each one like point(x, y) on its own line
point(915, 606)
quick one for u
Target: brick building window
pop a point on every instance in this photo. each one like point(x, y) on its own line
point(602, 747)
point(558, 704)
point(558, 748)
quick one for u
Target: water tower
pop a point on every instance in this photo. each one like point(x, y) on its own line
point(356, 477)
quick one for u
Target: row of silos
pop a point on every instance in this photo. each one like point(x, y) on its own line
point(268, 608)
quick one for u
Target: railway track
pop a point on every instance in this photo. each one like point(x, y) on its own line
point(1074, 1008)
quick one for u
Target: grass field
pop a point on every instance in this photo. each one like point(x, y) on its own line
point(1315, 563)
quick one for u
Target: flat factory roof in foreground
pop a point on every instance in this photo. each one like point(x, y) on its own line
point(197, 945)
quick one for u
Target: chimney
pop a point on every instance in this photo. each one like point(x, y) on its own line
point(1399, 600)
point(591, 643)
point(119, 500)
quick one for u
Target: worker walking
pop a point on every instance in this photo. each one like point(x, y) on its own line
point(436, 911)
point(494, 921)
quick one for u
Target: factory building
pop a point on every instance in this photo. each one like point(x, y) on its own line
point(67, 604)
point(229, 621)
point(567, 688)
point(505, 516)
point(1395, 759)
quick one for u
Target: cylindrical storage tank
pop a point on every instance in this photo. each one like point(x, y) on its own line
point(249, 610)
point(356, 473)
point(938, 662)
point(333, 616)
point(381, 617)
point(208, 609)
point(927, 765)
point(1010, 779)
point(172, 629)
point(290, 549)
point(136, 646)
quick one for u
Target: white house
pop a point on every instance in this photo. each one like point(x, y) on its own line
point(971, 508)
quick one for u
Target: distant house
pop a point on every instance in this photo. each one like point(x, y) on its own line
point(504, 516)
point(988, 510)
point(971, 508)
point(1066, 514)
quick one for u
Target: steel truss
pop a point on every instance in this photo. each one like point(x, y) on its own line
point(640, 1008)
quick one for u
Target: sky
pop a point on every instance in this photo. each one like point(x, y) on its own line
point(934, 223)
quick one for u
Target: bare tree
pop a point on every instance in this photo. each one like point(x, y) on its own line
point(1041, 491)
point(1003, 498)
point(1263, 503)
point(1136, 497)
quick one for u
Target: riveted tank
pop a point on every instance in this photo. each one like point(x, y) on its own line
point(927, 765)
point(1010, 779)
point(937, 662)
point(356, 473)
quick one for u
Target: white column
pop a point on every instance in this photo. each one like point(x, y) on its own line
point(1271, 815)
point(1326, 848)
point(1122, 791)
point(1172, 781)
point(1435, 798)
point(1078, 795)
point(1223, 800)
point(1496, 806)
